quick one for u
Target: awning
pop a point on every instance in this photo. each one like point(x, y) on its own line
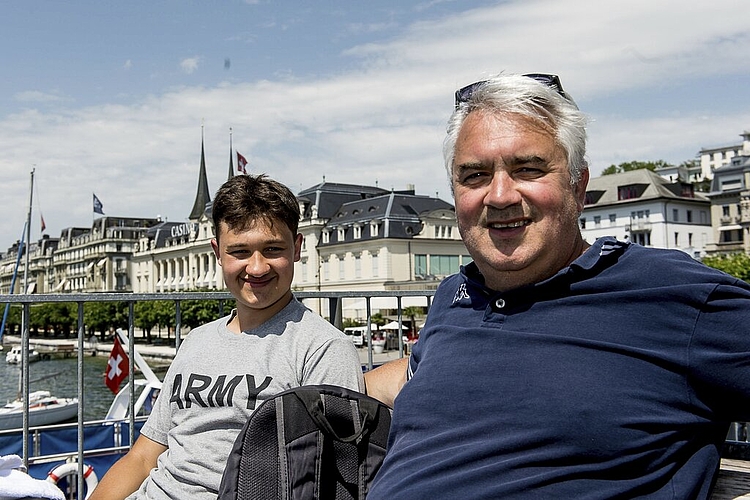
point(101, 262)
point(730, 228)
point(393, 325)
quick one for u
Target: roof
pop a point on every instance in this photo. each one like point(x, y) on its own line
point(648, 185)
point(327, 197)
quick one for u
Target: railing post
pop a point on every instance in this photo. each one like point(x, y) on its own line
point(177, 324)
point(131, 374)
point(25, 380)
point(81, 335)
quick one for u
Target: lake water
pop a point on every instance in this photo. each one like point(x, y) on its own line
point(97, 397)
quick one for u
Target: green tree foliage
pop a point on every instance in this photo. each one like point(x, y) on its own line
point(101, 316)
point(736, 264)
point(634, 165)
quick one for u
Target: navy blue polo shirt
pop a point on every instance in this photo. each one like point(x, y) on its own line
point(615, 378)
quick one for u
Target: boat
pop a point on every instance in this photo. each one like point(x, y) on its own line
point(15, 355)
point(54, 453)
point(44, 409)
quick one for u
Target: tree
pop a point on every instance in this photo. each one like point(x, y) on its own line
point(412, 312)
point(736, 264)
point(629, 166)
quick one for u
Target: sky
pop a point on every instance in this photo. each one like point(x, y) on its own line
point(113, 98)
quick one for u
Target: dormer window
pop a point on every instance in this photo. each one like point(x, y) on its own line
point(326, 236)
point(341, 234)
point(357, 232)
point(374, 229)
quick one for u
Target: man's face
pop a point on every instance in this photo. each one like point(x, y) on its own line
point(516, 208)
point(258, 267)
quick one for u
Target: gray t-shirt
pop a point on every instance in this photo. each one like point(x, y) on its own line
point(218, 378)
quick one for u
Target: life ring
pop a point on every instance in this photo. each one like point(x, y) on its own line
point(71, 469)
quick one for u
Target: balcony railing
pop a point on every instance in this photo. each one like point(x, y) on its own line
point(333, 301)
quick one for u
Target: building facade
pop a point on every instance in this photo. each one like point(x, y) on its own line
point(643, 207)
point(730, 206)
point(716, 157)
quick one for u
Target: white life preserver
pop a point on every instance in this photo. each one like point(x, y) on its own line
point(71, 469)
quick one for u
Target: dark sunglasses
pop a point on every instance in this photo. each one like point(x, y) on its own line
point(553, 81)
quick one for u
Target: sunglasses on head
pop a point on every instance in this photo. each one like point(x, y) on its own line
point(553, 81)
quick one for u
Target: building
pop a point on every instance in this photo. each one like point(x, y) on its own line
point(730, 206)
point(370, 239)
point(716, 157)
point(647, 209)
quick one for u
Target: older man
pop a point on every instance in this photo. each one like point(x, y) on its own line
point(551, 368)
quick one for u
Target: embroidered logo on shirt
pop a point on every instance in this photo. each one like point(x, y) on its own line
point(461, 294)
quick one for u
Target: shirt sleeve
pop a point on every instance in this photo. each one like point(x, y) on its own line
point(336, 362)
point(719, 354)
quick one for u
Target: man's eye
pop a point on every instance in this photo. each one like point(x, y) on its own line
point(473, 177)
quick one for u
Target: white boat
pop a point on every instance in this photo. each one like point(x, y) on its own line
point(44, 409)
point(15, 355)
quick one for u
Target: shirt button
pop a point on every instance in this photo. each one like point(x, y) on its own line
point(499, 303)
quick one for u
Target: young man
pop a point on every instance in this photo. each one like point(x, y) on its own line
point(548, 367)
point(225, 369)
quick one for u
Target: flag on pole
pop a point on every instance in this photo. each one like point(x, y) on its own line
point(241, 163)
point(98, 207)
point(44, 226)
point(117, 367)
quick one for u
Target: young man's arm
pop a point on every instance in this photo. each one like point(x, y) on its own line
point(127, 474)
point(384, 382)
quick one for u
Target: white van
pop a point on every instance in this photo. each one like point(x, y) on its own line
point(357, 334)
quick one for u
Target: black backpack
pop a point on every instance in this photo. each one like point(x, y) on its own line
point(310, 442)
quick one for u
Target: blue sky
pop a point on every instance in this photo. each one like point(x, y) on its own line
point(109, 97)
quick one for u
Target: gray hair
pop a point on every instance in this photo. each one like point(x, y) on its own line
point(526, 96)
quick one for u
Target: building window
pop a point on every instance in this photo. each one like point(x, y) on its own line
point(582, 221)
point(357, 266)
point(375, 267)
point(327, 269)
point(597, 221)
point(341, 234)
point(420, 265)
point(374, 228)
point(627, 192)
point(725, 210)
point(303, 269)
point(612, 219)
point(443, 265)
point(675, 215)
point(676, 239)
point(690, 239)
point(357, 232)
point(689, 216)
point(342, 274)
point(326, 237)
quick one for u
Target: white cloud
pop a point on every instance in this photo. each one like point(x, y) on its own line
point(35, 96)
point(190, 64)
point(382, 122)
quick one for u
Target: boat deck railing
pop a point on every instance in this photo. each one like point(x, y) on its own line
point(737, 438)
point(333, 301)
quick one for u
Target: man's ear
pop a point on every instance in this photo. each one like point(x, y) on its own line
point(215, 247)
point(298, 247)
point(580, 189)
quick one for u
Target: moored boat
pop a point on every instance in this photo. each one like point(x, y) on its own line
point(15, 355)
point(44, 409)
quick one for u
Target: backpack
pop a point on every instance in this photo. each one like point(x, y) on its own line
point(311, 442)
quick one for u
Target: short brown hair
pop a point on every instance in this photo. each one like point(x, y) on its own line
point(244, 200)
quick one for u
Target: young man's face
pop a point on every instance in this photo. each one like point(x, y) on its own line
point(258, 268)
point(516, 208)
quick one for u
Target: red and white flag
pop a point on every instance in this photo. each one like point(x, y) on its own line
point(117, 367)
point(241, 163)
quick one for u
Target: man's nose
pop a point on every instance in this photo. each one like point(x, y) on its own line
point(256, 265)
point(502, 191)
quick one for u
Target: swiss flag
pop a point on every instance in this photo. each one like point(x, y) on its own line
point(241, 163)
point(117, 367)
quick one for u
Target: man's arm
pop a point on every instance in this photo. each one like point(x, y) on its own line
point(127, 474)
point(384, 382)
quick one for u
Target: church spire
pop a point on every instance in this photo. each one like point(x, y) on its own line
point(231, 166)
point(202, 197)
